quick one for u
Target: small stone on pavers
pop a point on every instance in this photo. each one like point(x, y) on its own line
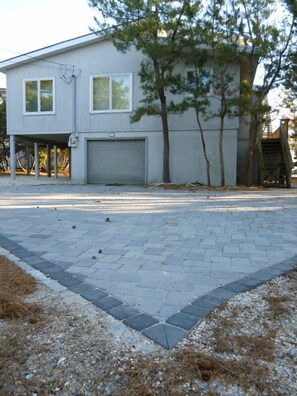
point(140, 322)
point(200, 312)
point(123, 312)
point(165, 335)
point(106, 303)
point(183, 320)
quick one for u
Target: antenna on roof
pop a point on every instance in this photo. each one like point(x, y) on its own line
point(68, 72)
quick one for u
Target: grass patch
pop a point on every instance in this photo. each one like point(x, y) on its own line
point(14, 280)
point(186, 370)
point(14, 285)
point(169, 376)
point(13, 307)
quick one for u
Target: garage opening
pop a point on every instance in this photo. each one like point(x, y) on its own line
point(116, 161)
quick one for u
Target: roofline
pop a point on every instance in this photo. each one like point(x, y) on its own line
point(49, 51)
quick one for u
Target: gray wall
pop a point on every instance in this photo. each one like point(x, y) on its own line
point(186, 157)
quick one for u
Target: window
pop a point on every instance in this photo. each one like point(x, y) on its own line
point(39, 96)
point(111, 93)
point(199, 81)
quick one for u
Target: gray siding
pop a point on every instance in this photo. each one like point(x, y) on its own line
point(100, 58)
point(187, 163)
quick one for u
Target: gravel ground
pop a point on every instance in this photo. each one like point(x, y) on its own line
point(73, 348)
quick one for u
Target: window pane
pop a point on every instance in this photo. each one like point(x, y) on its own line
point(46, 95)
point(193, 79)
point(205, 79)
point(101, 93)
point(199, 80)
point(120, 93)
point(31, 96)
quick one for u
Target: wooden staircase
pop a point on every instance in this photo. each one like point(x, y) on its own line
point(275, 158)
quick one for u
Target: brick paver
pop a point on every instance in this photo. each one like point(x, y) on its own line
point(160, 253)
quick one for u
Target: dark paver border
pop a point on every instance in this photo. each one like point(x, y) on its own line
point(177, 326)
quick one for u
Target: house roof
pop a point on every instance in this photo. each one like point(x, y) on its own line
point(49, 51)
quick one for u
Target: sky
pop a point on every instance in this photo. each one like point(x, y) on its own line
point(27, 25)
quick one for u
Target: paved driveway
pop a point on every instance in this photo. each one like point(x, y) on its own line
point(154, 250)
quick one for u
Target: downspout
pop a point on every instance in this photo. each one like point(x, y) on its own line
point(74, 114)
point(74, 135)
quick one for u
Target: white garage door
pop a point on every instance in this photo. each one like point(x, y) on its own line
point(116, 161)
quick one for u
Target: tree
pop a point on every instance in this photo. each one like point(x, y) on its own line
point(196, 89)
point(290, 71)
point(212, 50)
point(226, 93)
point(157, 29)
point(3, 134)
point(162, 31)
point(221, 33)
point(268, 44)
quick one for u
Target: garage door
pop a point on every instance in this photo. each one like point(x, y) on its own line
point(116, 161)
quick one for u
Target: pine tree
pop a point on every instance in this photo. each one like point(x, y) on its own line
point(157, 29)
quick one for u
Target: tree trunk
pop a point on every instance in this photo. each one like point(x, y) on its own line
point(164, 118)
point(204, 148)
point(221, 152)
point(166, 172)
point(251, 150)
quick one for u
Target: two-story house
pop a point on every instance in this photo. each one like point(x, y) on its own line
point(81, 93)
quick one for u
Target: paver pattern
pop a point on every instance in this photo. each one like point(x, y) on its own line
point(157, 259)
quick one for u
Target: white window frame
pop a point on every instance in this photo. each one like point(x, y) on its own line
point(208, 69)
point(39, 112)
point(110, 110)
